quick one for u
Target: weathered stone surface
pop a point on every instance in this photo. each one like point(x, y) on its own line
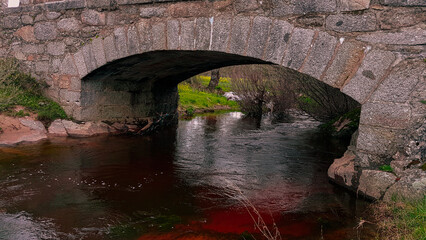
point(173, 38)
point(53, 15)
point(149, 12)
point(412, 185)
point(69, 97)
point(121, 42)
point(145, 37)
point(279, 37)
point(57, 129)
point(382, 114)
point(320, 55)
point(45, 31)
point(403, 2)
point(245, 5)
point(374, 183)
point(89, 58)
point(10, 22)
point(159, 36)
point(111, 53)
point(69, 25)
point(299, 45)
point(132, 41)
point(221, 30)
point(258, 37)
point(27, 19)
point(347, 59)
point(394, 18)
point(56, 48)
point(68, 66)
point(42, 66)
point(351, 23)
point(400, 83)
point(32, 48)
point(98, 52)
point(409, 36)
point(32, 124)
point(353, 5)
point(26, 33)
point(79, 62)
point(369, 75)
point(239, 35)
point(186, 10)
point(311, 21)
point(187, 35)
point(92, 17)
point(375, 139)
point(284, 8)
point(342, 171)
point(202, 33)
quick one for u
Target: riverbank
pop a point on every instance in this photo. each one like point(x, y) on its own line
point(197, 101)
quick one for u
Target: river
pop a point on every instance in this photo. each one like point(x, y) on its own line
point(200, 180)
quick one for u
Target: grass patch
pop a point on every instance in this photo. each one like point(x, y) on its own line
point(17, 88)
point(401, 219)
point(192, 100)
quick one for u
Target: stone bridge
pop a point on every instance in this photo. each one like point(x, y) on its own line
point(122, 59)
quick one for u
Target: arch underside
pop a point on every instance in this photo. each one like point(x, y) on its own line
point(143, 85)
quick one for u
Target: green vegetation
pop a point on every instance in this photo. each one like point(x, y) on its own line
point(401, 219)
point(343, 126)
point(193, 101)
point(386, 168)
point(201, 82)
point(423, 101)
point(19, 89)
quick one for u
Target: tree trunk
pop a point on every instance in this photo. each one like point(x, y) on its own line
point(214, 81)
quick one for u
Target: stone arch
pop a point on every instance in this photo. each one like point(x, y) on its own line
point(347, 64)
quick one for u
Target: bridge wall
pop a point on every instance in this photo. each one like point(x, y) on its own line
point(91, 52)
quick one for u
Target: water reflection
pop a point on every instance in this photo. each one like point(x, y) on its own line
point(174, 185)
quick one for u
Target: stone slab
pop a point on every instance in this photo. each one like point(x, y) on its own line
point(351, 22)
point(239, 35)
point(159, 36)
point(408, 36)
point(111, 53)
point(398, 86)
point(375, 139)
point(353, 5)
point(386, 114)
point(369, 75)
point(56, 48)
point(374, 183)
point(121, 42)
point(98, 51)
point(133, 42)
point(79, 62)
point(187, 35)
point(221, 33)
point(279, 37)
point(320, 55)
point(45, 31)
point(173, 39)
point(69, 25)
point(145, 37)
point(345, 63)
point(299, 45)
point(258, 37)
point(68, 67)
point(404, 3)
point(202, 33)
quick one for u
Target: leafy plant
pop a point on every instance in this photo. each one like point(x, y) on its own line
point(386, 168)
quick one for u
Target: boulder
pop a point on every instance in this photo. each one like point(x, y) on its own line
point(57, 129)
point(374, 183)
point(342, 171)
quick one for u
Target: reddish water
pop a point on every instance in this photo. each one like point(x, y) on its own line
point(183, 183)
